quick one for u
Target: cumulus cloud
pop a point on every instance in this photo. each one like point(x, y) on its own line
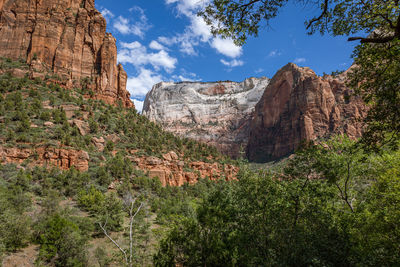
point(139, 86)
point(232, 63)
point(136, 54)
point(299, 60)
point(226, 47)
point(138, 105)
point(188, 7)
point(107, 14)
point(138, 28)
point(197, 31)
point(186, 76)
point(156, 45)
point(259, 70)
point(200, 28)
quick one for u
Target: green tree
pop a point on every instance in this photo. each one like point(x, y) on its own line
point(243, 18)
point(376, 231)
point(330, 205)
point(260, 221)
point(103, 207)
point(61, 240)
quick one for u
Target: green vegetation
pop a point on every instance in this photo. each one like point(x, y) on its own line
point(25, 105)
point(333, 206)
point(61, 211)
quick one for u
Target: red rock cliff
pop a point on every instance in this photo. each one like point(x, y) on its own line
point(69, 37)
point(298, 105)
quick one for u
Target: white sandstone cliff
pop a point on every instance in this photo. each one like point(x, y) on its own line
point(215, 113)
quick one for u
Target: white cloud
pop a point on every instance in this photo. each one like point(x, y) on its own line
point(107, 14)
point(186, 76)
point(156, 45)
point(182, 78)
point(200, 28)
point(139, 86)
point(124, 26)
point(188, 7)
point(299, 60)
point(194, 34)
point(226, 47)
point(274, 53)
point(136, 54)
point(198, 31)
point(138, 105)
point(232, 63)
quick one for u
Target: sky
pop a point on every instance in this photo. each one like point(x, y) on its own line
point(164, 40)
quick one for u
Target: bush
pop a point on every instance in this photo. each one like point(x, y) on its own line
point(92, 200)
point(45, 115)
point(61, 241)
point(14, 230)
point(103, 207)
point(93, 126)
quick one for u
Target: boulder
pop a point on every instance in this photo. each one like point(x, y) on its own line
point(99, 143)
point(82, 126)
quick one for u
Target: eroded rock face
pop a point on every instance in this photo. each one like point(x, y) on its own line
point(174, 172)
point(298, 105)
point(214, 113)
point(44, 156)
point(67, 36)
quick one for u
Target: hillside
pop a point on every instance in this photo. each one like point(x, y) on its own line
point(60, 143)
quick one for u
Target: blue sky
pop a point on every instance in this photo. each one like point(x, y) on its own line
point(163, 40)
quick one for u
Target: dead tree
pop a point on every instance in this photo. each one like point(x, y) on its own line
point(128, 258)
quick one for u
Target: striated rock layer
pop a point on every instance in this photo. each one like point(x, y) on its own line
point(174, 172)
point(298, 105)
point(67, 36)
point(214, 113)
point(46, 156)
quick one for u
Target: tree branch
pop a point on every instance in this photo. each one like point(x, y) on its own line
point(130, 229)
point(112, 240)
point(324, 12)
point(378, 40)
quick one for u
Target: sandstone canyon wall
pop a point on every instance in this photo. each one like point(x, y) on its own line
point(215, 113)
point(67, 36)
point(298, 105)
point(270, 118)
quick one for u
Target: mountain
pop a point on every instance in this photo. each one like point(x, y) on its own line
point(267, 118)
point(69, 37)
point(298, 105)
point(217, 113)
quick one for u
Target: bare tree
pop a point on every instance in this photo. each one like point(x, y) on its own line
point(132, 215)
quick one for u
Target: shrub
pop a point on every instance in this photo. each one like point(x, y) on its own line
point(61, 241)
point(104, 207)
point(93, 126)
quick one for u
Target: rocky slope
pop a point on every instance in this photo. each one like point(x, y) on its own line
point(67, 36)
point(214, 113)
point(298, 105)
point(44, 124)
